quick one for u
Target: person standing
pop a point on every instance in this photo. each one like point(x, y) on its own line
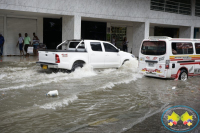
point(35, 43)
point(125, 44)
point(1, 44)
point(21, 44)
point(27, 42)
point(114, 41)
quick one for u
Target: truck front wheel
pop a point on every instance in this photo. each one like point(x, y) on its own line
point(76, 65)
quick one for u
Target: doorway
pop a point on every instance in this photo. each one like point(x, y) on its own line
point(93, 30)
point(52, 32)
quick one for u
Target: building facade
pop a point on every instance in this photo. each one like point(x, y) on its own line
point(54, 21)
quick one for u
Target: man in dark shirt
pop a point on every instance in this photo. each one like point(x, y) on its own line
point(1, 44)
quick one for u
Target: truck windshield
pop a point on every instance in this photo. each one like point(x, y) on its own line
point(153, 48)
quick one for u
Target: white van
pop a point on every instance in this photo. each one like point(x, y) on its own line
point(167, 57)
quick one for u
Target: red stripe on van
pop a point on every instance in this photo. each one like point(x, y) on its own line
point(190, 63)
point(175, 59)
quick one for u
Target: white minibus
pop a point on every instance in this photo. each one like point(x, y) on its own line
point(166, 57)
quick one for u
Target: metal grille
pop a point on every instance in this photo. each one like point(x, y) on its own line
point(197, 8)
point(172, 6)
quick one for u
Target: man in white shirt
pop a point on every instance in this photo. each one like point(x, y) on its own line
point(21, 44)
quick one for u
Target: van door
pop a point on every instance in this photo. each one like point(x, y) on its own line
point(182, 57)
point(197, 59)
point(152, 58)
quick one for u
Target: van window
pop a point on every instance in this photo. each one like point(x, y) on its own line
point(182, 48)
point(153, 48)
point(197, 47)
point(96, 46)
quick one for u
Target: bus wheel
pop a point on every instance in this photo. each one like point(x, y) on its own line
point(183, 75)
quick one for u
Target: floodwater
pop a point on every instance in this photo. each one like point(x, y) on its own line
point(109, 100)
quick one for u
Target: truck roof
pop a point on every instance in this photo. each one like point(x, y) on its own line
point(86, 40)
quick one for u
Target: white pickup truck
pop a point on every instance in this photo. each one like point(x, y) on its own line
point(76, 53)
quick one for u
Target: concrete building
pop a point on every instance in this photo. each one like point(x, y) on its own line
point(56, 20)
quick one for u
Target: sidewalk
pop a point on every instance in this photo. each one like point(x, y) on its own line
point(18, 59)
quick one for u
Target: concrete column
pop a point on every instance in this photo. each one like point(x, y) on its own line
point(5, 33)
point(139, 33)
point(71, 27)
point(129, 33)
point(39, 31)
point(186, 32)
point(146, 32)
point(193, 7)
point(151, 33)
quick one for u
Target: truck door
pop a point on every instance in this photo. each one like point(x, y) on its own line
point(112, 56)
point(197, 59)
point(97, 55)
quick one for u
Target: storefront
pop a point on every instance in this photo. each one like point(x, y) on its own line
point(116, 35)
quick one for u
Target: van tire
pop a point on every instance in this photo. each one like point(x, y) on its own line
point(183, 75)
point(76, 65)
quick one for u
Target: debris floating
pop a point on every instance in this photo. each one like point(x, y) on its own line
point(173, 87)
point(52, 93)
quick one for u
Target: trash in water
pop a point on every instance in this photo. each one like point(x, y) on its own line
point(173, 87)
point(52, 93)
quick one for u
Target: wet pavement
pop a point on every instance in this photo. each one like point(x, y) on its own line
point(109, 100)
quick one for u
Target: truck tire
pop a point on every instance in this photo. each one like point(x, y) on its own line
point(124, 62)
point(183, 75)
point(76, 65)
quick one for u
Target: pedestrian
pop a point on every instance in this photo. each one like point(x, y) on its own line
point(35, 43)
point(21, 44)
point(27, 42)
point(1, 44)
point(114, 41)
point(124, 44)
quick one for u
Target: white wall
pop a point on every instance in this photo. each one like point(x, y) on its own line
point(15, 26)
point(138, 36)
point(127, 10)
point(71, 28)
point(186, 32)
point(39, 31)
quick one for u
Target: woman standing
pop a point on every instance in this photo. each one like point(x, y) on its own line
point(35, 44)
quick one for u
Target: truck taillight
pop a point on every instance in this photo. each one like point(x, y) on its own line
point(57, 58)
point(167, 64)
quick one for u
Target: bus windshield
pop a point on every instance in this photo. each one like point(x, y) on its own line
point(153, 48)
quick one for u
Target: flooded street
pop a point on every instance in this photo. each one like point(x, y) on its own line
point(109, 100)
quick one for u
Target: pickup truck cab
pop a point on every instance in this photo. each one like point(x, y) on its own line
point(76, 53)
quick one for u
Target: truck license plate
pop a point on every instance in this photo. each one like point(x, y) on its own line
point(44, 66)
point(151, 64)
